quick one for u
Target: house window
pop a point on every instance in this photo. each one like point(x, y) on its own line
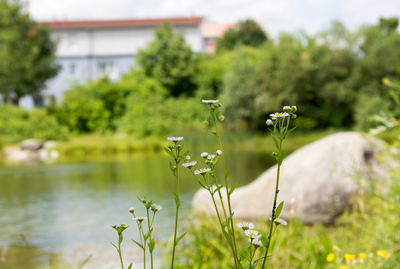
point(38, 101)
point(72, 69)
point(107, 69)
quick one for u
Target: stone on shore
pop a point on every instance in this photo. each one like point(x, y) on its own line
point(322, 177)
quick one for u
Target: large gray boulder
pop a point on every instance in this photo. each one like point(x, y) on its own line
point(322, 178)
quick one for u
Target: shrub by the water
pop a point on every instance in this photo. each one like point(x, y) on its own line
point(17, 124)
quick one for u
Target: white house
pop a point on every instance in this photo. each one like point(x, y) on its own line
point(89, 49)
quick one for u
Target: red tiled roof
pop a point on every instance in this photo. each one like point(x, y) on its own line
point(121, 23)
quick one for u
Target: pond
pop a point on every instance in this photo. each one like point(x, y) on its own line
point(62, 213)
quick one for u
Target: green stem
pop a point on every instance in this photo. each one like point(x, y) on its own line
point(120, 255)
point(149, 231)
point(237, 262)
point(144, 246)
point(176, 215)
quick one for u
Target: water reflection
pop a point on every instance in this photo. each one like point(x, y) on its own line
point(65, 210)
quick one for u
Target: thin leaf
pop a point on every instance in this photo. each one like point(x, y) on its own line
point(276, 142)
point(232, 189)
point(217, 189)
point(130, 266)
point(183, 156)
point(137, 243)
point(227, 174)
point(279, 210)
point(291, 130)
point(171, 167)
point(227, 237)
point(152, 245)
point(180, 238)
point(114, 246)
point(177, 201)
point(264, 241)
point(280, 158)
point(207, 130)
point(201, 184)
point(167, 150)
point(230, 217)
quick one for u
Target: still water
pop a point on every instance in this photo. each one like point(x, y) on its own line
point(62, 213)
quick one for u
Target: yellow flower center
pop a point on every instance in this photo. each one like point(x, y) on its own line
point(278, 114)
point(252, 235)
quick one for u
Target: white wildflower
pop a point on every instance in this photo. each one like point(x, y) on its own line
point(140, 218)
point(204, 154)
point(279, 115)
point(252, 234)
point(211, 156)
point(189, 164)
point(268, 122)
point(287, 109)
point(202, 171)
point(256, 242)
point(245, 225)
point(131, 209)
point(279, 221)
point(156, 208)
point(219, 152)
point(175, 139)
point(209, 101)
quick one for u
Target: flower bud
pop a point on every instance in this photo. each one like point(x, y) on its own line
point(205, 123)
point(287, 109)
point(269, 122)
point(204, 155)
point(179, 146)
point(294, 116)
point(386, 81)
point(187, 158)
point(274, 154)
point(274, 119)
point(219, 152)
point(114, 226)
point(294, 108)
point(131, 209)
point(221, 117)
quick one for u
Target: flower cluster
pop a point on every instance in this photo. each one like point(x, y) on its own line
point(253, 235)
point(287, 112)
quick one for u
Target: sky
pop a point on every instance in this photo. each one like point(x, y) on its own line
point(275, 16)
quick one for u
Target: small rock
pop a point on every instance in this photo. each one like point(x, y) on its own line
point(50, 144)
point(31, 144)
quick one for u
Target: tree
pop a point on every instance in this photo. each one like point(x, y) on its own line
point(246, 32)
point(169, 59)
point(27, 53)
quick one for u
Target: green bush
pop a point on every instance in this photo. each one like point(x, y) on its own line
point(17, 124)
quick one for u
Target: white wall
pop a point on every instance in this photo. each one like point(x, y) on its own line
point(116, 42)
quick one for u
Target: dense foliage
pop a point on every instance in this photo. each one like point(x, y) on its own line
point(247, 33)
point(169, 60)
point(27, 53)
point(334, 76)
point(17, 124)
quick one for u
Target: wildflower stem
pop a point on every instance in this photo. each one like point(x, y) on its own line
point(120, 255)
point(149, 231)
point(237, 262)
point(273, 212)
point(176, 215)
